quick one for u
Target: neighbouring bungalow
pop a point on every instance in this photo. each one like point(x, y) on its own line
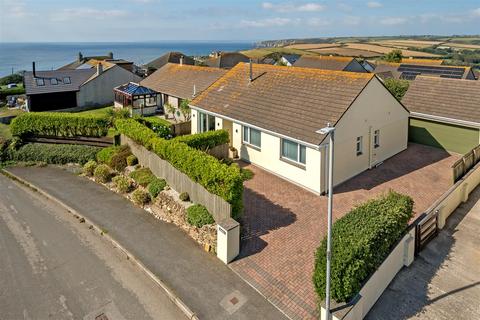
point(138, 99)
point(87, 62)
point(169, 57)
point(288, 60)
point(226, 60)
point(77, 88)
point(410, 70)
point(330, 63)
point(177, 82)
point(273, 113)
point(445, 113)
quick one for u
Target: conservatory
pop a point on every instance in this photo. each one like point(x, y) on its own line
point(138, 99)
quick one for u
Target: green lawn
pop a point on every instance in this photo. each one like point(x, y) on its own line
point(97, 112)
point(5, 131)
point(5, 112)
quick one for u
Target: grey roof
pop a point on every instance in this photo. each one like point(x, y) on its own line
point(227, 60)
point(291, 58)
point(169, 57)
point(77, 78)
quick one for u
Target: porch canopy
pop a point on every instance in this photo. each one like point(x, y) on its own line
point(135, 96)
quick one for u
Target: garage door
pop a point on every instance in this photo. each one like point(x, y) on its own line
point(446, 136)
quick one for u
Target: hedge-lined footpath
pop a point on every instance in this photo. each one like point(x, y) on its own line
point(53, 153)
point(59, 124)
point(206, 140)
point(218, 178)
point(362, 240)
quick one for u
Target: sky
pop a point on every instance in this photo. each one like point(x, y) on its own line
point(147, 20)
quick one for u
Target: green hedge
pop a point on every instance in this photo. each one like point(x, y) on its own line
point(54, 153)
point(361, 240)
point(206, 140)
point(161, 127)
point(218, 178)
point(59, 124)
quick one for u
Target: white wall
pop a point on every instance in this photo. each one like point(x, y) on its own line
point(99, 91)
point(375, 108)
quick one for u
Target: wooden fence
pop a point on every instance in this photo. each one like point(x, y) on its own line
point(218, 207)
point(182, 128)
point(463, 165)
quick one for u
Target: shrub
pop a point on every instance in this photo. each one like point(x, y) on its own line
point(89, 168)
point(106, 154)
point(119, 159)
point(59, 124)
point(142, 176)
point(218, 178)
point(397, 87)
point(198, 216)
point(102, 173)
point(206, 140)
point(4, 154)
point(160, 126)
point(132, 160)
point(362, 239)
point(156, 186)
point(184, 196)
point(54, 153)
point(123, 184)
point(140, 197)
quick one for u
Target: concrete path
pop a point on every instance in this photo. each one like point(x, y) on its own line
point(53, 267)
point(444, 280)
point(202, 281)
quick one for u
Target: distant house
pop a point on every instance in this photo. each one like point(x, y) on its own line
point(226, 60)
point(85, 62)
point(175, 82)
point(412, 69)
point(288, 59)
point(76, 88)
point(445, 113)
point(136, 98)
point(169, 57)
point(330, 63)
point(274, 113)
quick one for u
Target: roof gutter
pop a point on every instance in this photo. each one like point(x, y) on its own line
point(464, 123)
point(308, 144)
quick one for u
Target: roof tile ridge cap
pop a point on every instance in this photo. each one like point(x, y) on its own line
point(359, 75)
point(230, 73)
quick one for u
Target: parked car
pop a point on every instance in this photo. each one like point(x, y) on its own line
point(11, 85)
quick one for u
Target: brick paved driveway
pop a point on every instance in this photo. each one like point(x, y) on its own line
point(283, 224)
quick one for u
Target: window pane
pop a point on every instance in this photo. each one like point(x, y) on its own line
point(66, 80)
point(289, 150)
point(211, 123)
point(303, 154)
point(255, 137)
point(245, 134)
point(202, 121)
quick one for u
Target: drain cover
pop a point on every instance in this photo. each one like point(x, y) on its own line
point(233, 301)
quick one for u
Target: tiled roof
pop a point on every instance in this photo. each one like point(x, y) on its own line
point(178, 80)
point(289, 101)
point(449, 98)
point(169, 57)
point(134, 89)
point(324, 62)
point(408, 69)
point(77, 78)
point(227, 60)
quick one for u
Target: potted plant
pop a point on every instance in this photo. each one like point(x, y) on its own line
point(233, 153)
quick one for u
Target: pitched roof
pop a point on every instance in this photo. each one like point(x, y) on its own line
point(324, 62)
point(178, 80)
point(134, 89)
point(289, 101)
point(442, 97)
point(409, 71)
point(75, 64)
point(169, 57)
point(77, 78)
point(227, 60)
point(291, 58)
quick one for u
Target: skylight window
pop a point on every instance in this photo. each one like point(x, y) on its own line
point(53, 81)
point(40, 81)
point(66, 80)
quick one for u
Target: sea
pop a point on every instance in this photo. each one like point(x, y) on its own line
point(16, 57)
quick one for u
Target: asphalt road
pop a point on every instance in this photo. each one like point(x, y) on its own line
point(54, 267)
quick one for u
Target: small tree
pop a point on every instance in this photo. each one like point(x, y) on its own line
point(169, 109)
point(185, 109)
point(397, 87)
point(394, 56)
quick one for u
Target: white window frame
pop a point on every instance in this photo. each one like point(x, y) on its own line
point(359, 146)
point(299, 146)
point(199, 123)
point(246, 138)
point(53, 81)
point(67, 80)
point(40, 82)
point(376, 138)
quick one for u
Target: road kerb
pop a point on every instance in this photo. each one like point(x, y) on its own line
point(175, 299)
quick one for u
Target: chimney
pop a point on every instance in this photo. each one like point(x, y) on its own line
point(194, 91)
point(33, 69)
point(99, 69)
point(250, 75)
point(181, 60)
point(110, 55)
point(80, 57)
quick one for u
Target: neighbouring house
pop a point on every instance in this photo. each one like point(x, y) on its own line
point(86, 62)
point(288, 59)
point(138, 99)
point(445, 113)
point(169, 57)
point(176, 82)
point(273, 114)
point(226, 60)
point(75, 88)
point(330, 63)
point(409, 71)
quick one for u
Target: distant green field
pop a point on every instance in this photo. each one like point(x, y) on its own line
point(5, 91)
point(262, 52)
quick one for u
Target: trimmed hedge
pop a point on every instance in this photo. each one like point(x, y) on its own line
point(206, 140)
point(59, 124)
point(198, 216)
point(161, 127)
point(54, 153)
point(361, 240)
point(218, 178)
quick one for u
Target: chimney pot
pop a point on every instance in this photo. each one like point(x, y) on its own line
point(250, 75)
point(181, 60)
point(99, 69)
point(33, 69)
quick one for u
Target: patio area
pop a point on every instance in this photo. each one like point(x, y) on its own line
point(283, 224)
